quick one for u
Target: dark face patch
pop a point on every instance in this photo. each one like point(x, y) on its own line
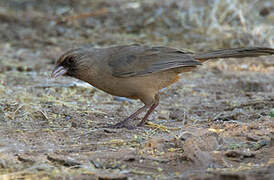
point(70, 64)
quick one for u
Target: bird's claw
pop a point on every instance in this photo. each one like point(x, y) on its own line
point(120, 125)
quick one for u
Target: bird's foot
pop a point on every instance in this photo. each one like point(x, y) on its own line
point(120, 125)
point(141, 124)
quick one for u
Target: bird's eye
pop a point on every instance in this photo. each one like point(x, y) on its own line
point(70, 60)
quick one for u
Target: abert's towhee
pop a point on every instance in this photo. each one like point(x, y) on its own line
point(137, 71)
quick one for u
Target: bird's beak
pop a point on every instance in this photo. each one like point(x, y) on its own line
point(58, 71)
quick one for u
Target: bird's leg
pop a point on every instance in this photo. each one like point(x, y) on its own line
point(124, 123)
point(152, 108)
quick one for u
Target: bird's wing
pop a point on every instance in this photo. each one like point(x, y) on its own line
point(135, 60)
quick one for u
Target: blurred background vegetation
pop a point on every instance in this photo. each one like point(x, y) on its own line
point(195, 24)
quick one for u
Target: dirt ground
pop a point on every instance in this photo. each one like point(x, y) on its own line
point(215, 123)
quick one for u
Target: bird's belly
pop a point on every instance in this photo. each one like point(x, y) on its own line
point(135, 87)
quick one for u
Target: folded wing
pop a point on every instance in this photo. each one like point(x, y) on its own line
point(135, 60)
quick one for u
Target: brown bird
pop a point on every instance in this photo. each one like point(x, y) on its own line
point(137, 71)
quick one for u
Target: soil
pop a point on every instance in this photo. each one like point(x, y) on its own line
point(215, 123)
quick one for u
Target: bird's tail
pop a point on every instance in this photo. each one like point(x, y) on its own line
point(235, 53)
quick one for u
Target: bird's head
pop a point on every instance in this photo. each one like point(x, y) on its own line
point(70, 63)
